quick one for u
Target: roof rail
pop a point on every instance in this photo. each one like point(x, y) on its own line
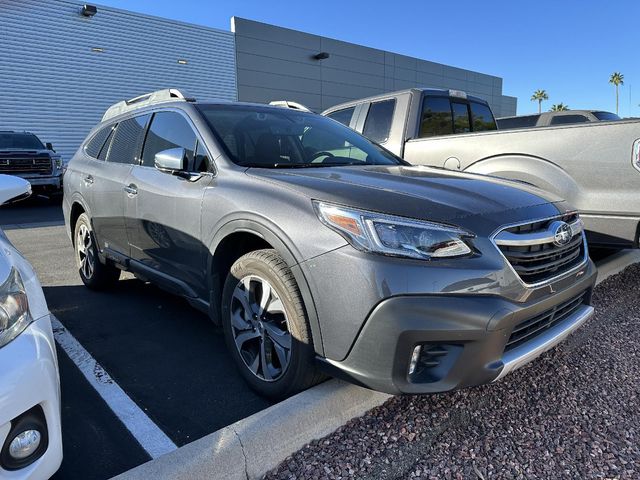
point(159, 96)
point(290, 104)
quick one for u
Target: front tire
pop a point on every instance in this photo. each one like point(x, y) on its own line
point(94, 274)
point(266, 327)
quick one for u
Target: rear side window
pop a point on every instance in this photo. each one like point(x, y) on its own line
point(168, 130)
point(93, 146)
point(568, 119)
point(482, 117)
point(461, 123)
point(378, 122)
point(343, 116)
point(436, 117)
point(524, 121)
point(107, 144)
point(605, 116)
point(127, 140)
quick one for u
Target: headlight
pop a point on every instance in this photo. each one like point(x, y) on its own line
point(390, 235)
point(14, 308)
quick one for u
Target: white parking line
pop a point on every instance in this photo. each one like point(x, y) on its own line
point(147, 433)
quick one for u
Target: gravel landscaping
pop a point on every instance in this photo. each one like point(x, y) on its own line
point(573, 413)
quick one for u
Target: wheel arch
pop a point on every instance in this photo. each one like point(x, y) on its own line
point(78, 207)
point(530, 169)
point(241, 236)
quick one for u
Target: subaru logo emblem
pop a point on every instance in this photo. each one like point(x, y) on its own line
point(562, 233)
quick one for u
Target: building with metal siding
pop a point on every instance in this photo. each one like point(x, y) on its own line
point(279, 63)
point(59, 70)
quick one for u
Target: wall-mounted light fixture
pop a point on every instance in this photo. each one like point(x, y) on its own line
point(321, 56)
point(182, 61)
point(88, 10)
point(97, 49)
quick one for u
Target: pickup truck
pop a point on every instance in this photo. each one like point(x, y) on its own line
point(22, 154)
point(594, 166)
point(547, 119)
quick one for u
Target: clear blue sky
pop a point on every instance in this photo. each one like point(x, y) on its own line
point(567, 47)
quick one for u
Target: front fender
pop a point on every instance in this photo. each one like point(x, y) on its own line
point(535, 171)
point(273, 235)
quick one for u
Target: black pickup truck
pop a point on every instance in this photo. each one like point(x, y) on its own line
point(24, 155)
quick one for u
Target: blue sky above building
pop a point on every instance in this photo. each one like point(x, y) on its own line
point(568, 48)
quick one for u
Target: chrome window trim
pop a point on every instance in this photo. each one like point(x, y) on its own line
point(548, 281)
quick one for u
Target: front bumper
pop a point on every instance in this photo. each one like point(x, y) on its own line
point(50, 182)
point(473, 330)
point(53, 182)
point(29, 378)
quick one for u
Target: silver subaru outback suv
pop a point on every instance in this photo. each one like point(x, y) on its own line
point(319, 252)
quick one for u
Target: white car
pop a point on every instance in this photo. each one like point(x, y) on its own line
point(30, 433)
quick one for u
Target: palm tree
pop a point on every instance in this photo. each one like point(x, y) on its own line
point(539, 96)
point(559, 107)
point(617, 79)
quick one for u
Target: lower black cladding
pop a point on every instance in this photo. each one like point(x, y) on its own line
point(529, 329)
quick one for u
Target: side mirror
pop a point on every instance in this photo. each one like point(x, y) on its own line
point(171, 160)
point(49, 146)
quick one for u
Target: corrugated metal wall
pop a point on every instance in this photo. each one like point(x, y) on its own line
point(277, 63)
point(53, 84)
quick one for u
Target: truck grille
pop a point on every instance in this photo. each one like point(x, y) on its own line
point(13, 166)
point(542, 250)
point(529, 329)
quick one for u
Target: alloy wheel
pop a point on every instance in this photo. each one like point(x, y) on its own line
point(260, 328)
point(84, 251)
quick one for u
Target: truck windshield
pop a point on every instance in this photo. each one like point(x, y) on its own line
point(271, 137)
point(20, 141)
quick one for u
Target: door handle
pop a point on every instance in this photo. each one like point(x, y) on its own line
point(131, 190)
point(88, 179)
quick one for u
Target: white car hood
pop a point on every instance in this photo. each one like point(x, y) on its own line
point(13, 187)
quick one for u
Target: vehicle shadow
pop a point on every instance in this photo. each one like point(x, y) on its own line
point(167, 356)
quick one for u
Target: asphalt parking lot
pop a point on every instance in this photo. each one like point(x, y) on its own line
point(172, 363)
point(166, 356)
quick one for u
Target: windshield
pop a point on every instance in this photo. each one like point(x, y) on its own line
point(606, 116)
point(267, 137)
point(20, 141)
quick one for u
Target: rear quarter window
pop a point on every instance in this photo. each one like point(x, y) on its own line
point(127, 140)
point(95, 144)
point(482, 117)
point(378, 123)
point(436, 118)
point(342, 116)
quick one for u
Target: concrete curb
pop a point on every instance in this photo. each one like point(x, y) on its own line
point(257, 444)
point(251, 447)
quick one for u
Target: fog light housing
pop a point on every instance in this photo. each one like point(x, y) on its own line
point(415, 356)
point(27, 440)
point(431, 362)
point(24, 444)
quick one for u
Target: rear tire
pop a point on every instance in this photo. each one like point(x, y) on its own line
point(94, 274)
point(266, 326)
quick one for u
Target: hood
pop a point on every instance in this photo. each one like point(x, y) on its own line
point(13, 188)
point(416, 192)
